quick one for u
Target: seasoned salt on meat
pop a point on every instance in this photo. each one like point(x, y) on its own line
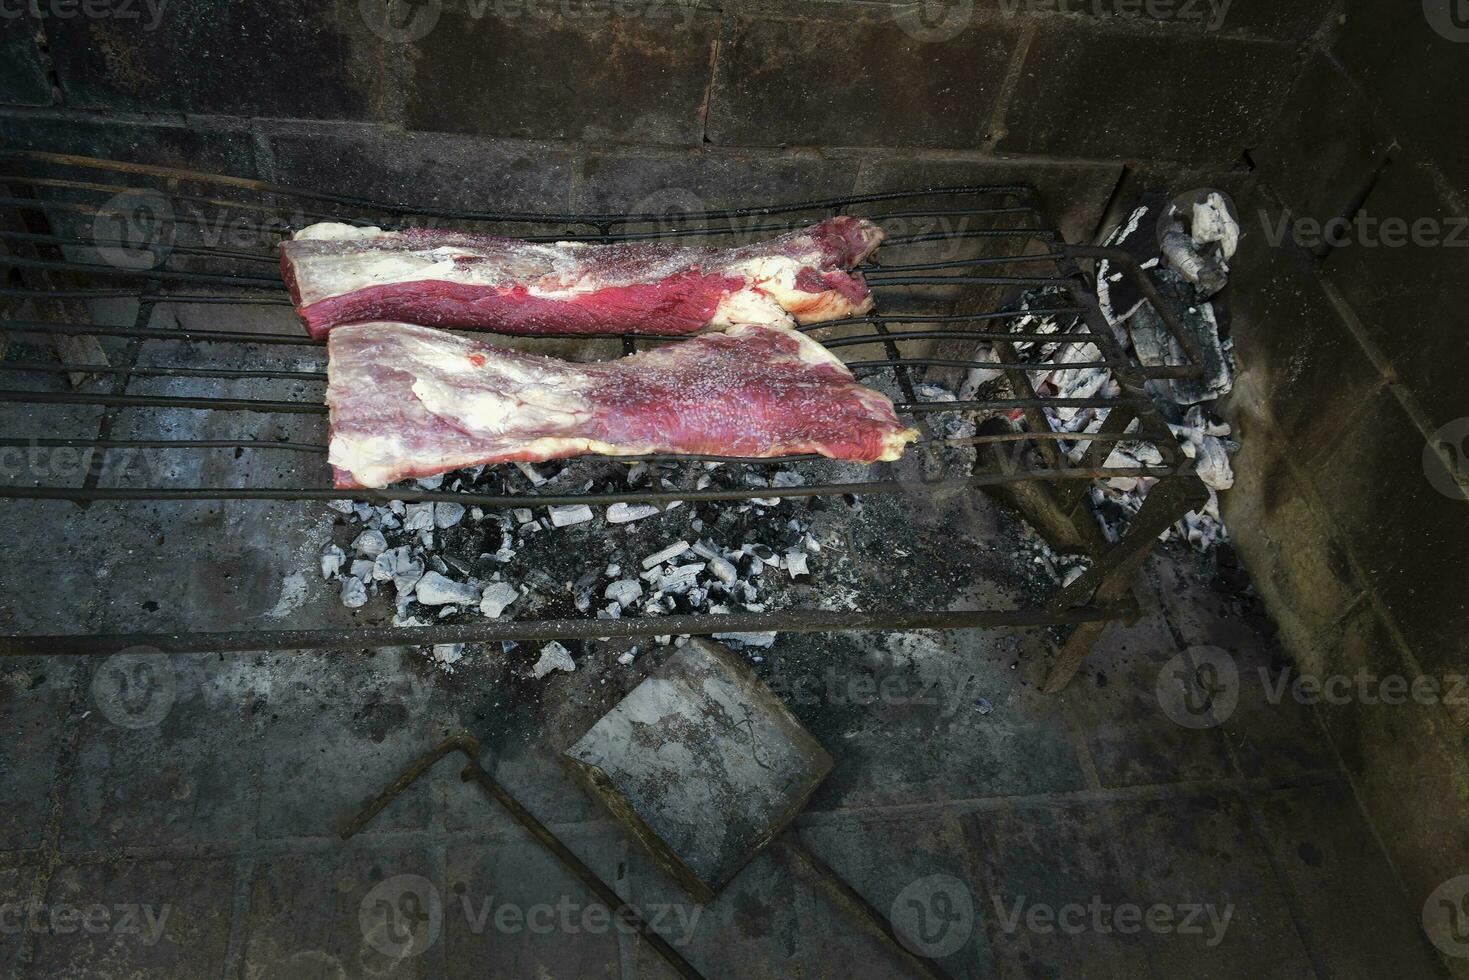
point(411, 401)
point(340, 274)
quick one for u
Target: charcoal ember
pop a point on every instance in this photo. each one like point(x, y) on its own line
point(362, 569)
point(341, 506)
point(626, 513)
point(457, 566)
point(720, 567)
point(666, 554)
point(623, 591)
point(681, 578)
point(1156, 346)
point(532, 474)
point(583, 600)
point(331, 561)
point(759, 640)
point(438, 564)
point(418, 517)
point(386, 564)
point(361, 510)
point(542, 581)
point(431, 482)
point(1138, 236)
point(370, 543)
point(496, 597)
point(796, 563)
point(354, 593)
point(567, 516)
point(448, 654)
point(436, 590)
point(447, 514)
point(553, 656)
point(611, 611)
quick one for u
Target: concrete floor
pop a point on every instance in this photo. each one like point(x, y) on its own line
point(176, 817)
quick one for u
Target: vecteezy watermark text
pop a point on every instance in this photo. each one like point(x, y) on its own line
point(1210, 14)
point(148, 12)
point(1103, 917)
point(406, 21)
point(403, 916)
point(1365, 230)
point(66, 918)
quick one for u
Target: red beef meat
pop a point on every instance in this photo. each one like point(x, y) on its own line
point(410, 401)
point(339, 274)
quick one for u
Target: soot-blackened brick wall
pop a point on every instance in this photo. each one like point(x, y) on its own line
point(1349, 316)
point(1188, 80)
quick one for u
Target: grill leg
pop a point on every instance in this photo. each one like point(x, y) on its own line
point(1110, 578)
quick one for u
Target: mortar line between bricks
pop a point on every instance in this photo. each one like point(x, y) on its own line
point(273, 128)
point(245, 860)
point(49, 850)
point(995, 124)
point(1287, 890)
point(1077, 739)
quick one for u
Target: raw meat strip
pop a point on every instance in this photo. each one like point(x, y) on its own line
point(411, 401)
point(340, 274)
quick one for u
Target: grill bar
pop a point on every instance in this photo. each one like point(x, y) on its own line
point(786, 621)
point(938, 290)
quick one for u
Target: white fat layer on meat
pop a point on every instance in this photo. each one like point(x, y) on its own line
point(335, 231)
point(749, 306)
point(532, 406)
point(774, 276)
point(554, 271)
point(544, 397)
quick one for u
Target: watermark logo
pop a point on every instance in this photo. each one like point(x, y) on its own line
point(68, 918)
point(1446, 459)
point(935, 21)
point(1446, 917)
point(135, 688)
point(1449, 18)
point(1199, 688)
point(1365, 687)
point(401, 21)
point(134, 230)
point(1207, 14)
point(51, 463)
point(1103, 917)
point(1364, 230)
point(934, 916)
point(148, 12)
point(675, 923)
point(402, 916)
point(837, 688)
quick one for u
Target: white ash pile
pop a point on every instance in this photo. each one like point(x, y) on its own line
point(444, 561)
point(1184, 246)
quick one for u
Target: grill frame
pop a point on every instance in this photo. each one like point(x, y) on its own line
point(1056, 497)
